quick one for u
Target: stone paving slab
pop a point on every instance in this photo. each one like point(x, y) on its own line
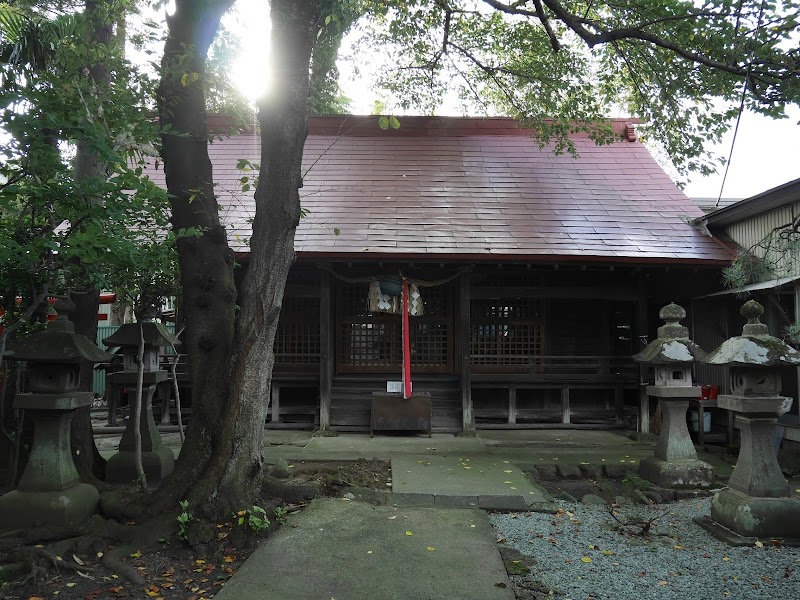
point(465, 476)
point(385, 446)
point(346, 550)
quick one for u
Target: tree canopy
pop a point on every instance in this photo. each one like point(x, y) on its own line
point(678, 65)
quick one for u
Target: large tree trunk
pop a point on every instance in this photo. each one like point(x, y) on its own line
point(282, 117)
point(221, 460)
point(88, 461)
point(206, 261)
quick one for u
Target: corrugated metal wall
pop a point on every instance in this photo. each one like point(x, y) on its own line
point(751, 231)
point(103, 331)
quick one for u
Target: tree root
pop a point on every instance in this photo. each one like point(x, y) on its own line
point(113, 560)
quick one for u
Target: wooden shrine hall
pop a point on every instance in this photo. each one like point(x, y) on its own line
point(537, 275)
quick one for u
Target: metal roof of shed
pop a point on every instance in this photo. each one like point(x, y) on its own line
point(446, 188)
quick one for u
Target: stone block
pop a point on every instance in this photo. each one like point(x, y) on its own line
point(568, 471)
point(411, 499)
point(676, 473)
point(547, 472)
point(502, 502)
point(591, 471)
point(157, 464)
point(64, 508)
point(455, 501)
point(616, 471)
point(748, 516)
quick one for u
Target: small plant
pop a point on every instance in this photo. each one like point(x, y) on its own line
point(256, 518)
point(183, 519)
point(280, 515)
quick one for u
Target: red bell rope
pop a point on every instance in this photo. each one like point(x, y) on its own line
point(406, 344)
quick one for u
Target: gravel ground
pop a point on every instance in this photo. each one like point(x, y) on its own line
point(579, 554)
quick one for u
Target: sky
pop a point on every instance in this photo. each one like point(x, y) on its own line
point(766, 152)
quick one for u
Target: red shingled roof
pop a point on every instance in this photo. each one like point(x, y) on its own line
point(478, 189)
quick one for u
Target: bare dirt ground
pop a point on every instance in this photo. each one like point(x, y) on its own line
point(83, 564)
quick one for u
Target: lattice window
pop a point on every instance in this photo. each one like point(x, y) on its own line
point(297, 338)
point(506, 332)
point(373, 341)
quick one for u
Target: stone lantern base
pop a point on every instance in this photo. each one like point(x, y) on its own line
point(157, 460)
point(741, 520)
point(692, 473)
point(65, 508)
point(157, 464)
point(675, 463)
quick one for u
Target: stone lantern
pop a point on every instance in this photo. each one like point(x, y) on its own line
point(49, 492)
point(758, 502)
point(157, 460)
point(675, 462)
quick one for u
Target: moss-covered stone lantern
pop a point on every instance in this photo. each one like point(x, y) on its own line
point(672, 353)
point(758, 502)
point(157, 460)
point(49, 492)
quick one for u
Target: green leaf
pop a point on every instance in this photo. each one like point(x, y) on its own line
point(394, 123)
point(336, 231)
point(383, 123)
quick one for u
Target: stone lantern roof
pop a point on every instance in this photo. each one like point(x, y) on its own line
point(672, 346)
point(155, 334)
point(58, 343)
point(755, 347)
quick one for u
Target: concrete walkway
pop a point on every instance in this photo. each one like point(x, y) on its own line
point(341, 550)
point(427, 539)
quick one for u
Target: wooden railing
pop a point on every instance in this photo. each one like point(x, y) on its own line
point(560, 366)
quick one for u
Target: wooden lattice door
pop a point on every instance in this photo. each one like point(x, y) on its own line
point(372, 342)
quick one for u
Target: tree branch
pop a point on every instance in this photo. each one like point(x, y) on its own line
point(579, 26)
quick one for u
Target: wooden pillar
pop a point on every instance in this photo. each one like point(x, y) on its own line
point(512, 404)
point(275, 404)
point(326, 351)
point(641, 326)
point(465, 374)
point(619, 405)
point(796, 405)
point(566, 415)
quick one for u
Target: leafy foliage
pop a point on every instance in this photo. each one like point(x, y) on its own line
point(564, 66)
point(106, 230)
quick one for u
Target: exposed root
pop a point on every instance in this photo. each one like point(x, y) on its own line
point(112, 560)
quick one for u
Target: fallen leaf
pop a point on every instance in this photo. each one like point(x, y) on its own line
point(592, 547)
point(662, 582)
point(78, 560)
point(607, 553)
point(759, 544)
point(726, 558)
point(71, 584)
point(136, 554)
point(678, 547)
point(507, 471)
point(431, 548)
point(229, 559)
point(392, 518)
point(409, 533)
point(586, 559)
point(506, 482)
